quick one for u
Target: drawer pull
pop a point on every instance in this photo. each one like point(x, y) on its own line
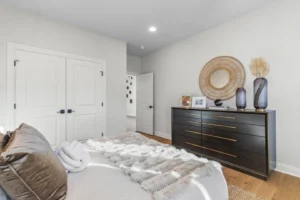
point(226, 117)
point(192, 114)
point(218, 125)
point(193, 132)
point(227, 154)
point(194, 122)
point(222, 138)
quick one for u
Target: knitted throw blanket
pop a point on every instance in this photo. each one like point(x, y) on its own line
point(163, 170)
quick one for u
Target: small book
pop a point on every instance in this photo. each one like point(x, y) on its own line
point(218, 107)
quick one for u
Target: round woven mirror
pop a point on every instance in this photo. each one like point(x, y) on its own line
point(221, 76)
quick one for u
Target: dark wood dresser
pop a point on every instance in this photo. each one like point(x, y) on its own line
point(242, 140)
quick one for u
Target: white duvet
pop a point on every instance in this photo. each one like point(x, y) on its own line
point(102, 181)
point(162, 170)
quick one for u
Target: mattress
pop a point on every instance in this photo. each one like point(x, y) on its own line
point(102, 181)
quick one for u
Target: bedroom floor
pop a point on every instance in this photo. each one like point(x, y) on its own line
point(279, 186)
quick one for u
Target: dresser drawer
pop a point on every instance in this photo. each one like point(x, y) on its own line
point(233, 141)
point(243, 158)
point(246, 159)
point(187, 120)
point(256, 119)
point(235, 127)
point(182, 141)
point(186, 130)
point(187, 113)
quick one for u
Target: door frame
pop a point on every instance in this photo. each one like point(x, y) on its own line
point(10, 78)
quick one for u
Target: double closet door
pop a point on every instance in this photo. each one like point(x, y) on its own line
point(61, 97)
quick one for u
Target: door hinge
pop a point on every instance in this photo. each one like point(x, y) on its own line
point(15, 106)
point(102, 73)
point(102, 104)
point(15, 62)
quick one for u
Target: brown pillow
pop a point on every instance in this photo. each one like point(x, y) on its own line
point(6, 138)
point(29, 168)
point(1, 138)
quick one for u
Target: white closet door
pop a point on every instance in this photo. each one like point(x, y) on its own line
point(84, 100)
point(40, 94)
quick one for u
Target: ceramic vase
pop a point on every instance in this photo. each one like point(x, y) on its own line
point(241, 101)
point(260, 94)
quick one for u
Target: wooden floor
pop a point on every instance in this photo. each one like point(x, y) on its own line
point(279, 186)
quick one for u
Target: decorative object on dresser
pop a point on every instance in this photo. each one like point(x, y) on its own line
point(260, 68)
point(199, 102)
point(241, 99)
point(186, 101)
point(245, 141)
point(218, 102)
point(221, 76)
point(218, 107)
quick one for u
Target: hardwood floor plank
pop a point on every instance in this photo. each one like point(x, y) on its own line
point(278, 187)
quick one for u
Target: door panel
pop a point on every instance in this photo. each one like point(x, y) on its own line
point(145, 103)
point(40, 93)
point(84, 97)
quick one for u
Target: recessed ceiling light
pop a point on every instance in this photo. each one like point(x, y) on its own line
point(142, 47)
point(152, 29)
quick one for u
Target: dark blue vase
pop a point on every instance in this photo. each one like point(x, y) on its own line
point(260, 94)
point(241, 101)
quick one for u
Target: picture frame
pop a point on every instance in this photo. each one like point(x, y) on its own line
point(199, 102)
point(186, 101)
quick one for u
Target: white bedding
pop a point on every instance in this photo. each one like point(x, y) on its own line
point(102, 181)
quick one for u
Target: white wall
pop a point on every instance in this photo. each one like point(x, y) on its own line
point(272, 32)
point(33, 30)
point(131, 95)
point(134, 65)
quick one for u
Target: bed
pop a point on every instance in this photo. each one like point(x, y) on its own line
point(104, 179)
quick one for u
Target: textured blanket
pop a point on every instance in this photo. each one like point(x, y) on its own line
point(166, 172)
point(73, 156)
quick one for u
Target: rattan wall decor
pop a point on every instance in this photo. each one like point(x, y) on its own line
point(221, 76)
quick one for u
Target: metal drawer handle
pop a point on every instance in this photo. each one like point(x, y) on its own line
point(194, 122)
point(192, 114)
point(233, 127)
point(222, 138)
point(227, 154)
point(226, 117)
point(193, 132)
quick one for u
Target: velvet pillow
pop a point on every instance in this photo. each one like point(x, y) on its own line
point(6, 138)
point(3, 196)
point(1, 138)
point(29, 168)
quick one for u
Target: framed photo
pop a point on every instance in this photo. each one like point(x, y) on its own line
point(186, 101)
point(199, 102)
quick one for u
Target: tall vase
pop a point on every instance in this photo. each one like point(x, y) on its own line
point(260, 94)
point(241, 101)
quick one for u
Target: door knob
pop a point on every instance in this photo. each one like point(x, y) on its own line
point(70, 111)
point(62, 111)
point(150, 107)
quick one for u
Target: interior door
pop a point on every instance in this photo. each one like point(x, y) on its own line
point(84, 100)
point(144, 115)
point(40, 93)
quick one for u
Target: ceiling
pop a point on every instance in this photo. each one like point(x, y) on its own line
point(129, 20)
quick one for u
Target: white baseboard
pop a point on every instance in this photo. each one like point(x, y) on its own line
point(288, 169)
point(163, 135)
